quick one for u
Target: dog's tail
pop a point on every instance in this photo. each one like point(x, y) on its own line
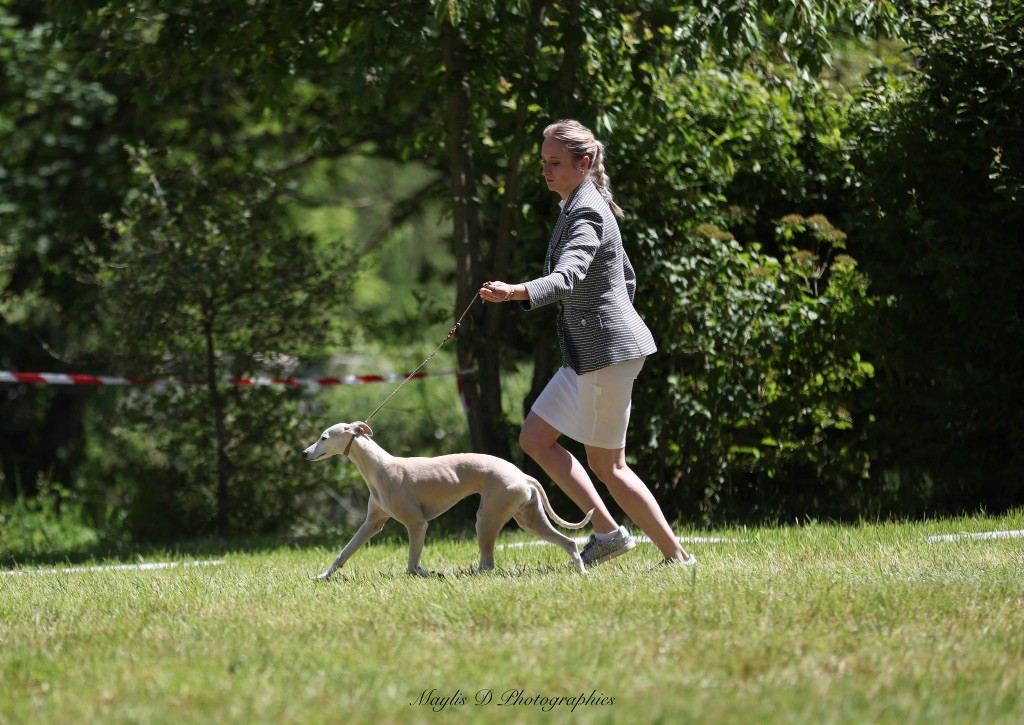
point(551, 514)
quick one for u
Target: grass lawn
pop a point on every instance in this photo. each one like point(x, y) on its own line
point(812, 624)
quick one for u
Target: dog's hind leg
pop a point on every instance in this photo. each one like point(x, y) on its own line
point(376, 517)
point(532, 518)
point(494, 512)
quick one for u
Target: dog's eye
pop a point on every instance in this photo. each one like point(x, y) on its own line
point(323, 437)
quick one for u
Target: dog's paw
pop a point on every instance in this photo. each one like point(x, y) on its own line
point(323, 577)
point(417, 571)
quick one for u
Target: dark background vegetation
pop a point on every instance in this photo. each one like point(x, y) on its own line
point(824, 205)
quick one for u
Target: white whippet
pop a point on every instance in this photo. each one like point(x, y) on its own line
point(414, 491)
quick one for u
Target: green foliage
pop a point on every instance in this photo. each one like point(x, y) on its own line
point(61, 166)
point(750, 408)
point(752, 416)
point(49, 523)
point(942, 220)
point(395, 234)
point(218, 273)
point(164, 476)
point(204, 281)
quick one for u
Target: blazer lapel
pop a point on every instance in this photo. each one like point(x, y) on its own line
point(549, 258)
point(556, 236)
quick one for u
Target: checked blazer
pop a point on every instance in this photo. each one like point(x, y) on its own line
point(587, 271)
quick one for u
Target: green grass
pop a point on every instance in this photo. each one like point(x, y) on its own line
point(814, 624)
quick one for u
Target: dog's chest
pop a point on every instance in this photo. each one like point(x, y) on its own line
point(420, 493)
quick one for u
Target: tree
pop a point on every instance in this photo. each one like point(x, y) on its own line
point(62, 166)
point(943, 232)
point(202, 277)
point(463, 87)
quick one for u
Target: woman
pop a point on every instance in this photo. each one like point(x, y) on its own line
point(604, 343)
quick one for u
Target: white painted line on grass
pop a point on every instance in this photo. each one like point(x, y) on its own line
point(148, 566)
point(638, 539)
point(983, 535)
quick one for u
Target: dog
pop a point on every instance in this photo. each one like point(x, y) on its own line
point(414, 491)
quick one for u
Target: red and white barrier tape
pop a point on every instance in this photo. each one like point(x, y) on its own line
point(8, 376)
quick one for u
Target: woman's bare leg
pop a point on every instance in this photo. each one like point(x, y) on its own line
point(540, 442)
point(635, 499)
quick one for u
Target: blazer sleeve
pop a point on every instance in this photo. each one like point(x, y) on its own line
point(574, 255)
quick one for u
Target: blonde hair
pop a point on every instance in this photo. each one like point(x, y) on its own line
point(579, 141)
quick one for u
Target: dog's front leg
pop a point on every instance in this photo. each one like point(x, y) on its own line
point(376, 517)
point(417, 535)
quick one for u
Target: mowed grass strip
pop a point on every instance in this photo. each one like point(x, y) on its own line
point(818, 623)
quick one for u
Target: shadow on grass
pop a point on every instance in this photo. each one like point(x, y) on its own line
point(121, 552)
point(457, 524)
point(449, 576)
point(113, 551)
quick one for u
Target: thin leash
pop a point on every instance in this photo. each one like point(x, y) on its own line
point(451, 334)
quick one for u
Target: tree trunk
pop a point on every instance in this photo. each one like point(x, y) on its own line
point(543, 358)
point(496, 314)
point(223, 512)
point(475, 350)
point(546, 356)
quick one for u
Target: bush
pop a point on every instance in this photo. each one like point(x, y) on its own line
point(50, 523)
point(157, 462)
point(205, 280)
point(941, 226)
point(749, 410)
point(758, 370)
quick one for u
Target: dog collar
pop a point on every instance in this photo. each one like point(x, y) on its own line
point(349, 446)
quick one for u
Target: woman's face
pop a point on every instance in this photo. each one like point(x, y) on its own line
point(561, 174)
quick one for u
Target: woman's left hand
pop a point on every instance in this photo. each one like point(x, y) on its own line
point(496, 291)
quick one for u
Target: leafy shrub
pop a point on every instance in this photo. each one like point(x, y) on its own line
point(749, 410)
point(206, 281)
point(758, 371)
point(48, 523)
point(941, 226)
point(156, 460)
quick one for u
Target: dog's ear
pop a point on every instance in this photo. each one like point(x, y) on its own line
point(365, 429)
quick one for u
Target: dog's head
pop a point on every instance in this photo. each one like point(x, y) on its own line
point(335, 440)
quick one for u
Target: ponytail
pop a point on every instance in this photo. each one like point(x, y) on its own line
point(601, 180)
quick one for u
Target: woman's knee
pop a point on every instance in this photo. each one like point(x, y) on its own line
point(532, 441)
point(536, 435)
point(606, 464)
point(603, 469)
point(528, 441)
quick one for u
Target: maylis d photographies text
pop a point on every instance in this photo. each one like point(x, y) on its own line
point(438, 701)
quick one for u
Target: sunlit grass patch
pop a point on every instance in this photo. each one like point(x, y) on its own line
point(817, 623)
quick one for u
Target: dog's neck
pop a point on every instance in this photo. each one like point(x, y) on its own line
point(367, 455)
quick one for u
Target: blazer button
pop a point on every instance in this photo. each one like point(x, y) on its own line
point(583, 323)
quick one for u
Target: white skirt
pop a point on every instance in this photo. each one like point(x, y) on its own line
point(592, 408)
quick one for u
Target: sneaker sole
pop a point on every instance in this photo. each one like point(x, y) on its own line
point(690, 563)
point(608, 557)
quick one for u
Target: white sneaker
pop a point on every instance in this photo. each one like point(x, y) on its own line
point(597, 551)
